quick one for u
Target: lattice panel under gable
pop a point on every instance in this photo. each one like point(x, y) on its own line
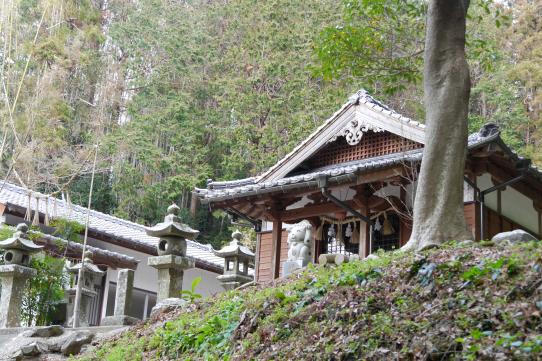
point(371, 145)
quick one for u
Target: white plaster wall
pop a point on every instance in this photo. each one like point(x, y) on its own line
point(514, 205)
point(484, 182)
point(519, 209)
point(468, 192)
point(146, 278)
point(343, 193)
point(208, 286)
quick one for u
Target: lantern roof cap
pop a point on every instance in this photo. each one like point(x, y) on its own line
point(172, 226)
point(234, 248)
point(20, 241)
point(89, 265)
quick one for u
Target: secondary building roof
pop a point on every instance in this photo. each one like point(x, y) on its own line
point(132, 234)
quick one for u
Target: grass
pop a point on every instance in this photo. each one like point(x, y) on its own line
point(456, 302)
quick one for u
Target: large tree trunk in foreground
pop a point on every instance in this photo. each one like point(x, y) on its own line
point(438, 207)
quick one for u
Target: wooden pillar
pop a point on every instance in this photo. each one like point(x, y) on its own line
point(538, 207)
point(477, 225)
point(499, 210)
point(276, 236)
point(362, 201)
point(403, 232)
point(257, 258)
point(539, 224)
point(315, 249)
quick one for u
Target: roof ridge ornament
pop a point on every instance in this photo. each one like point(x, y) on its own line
point(489, 129)
point(355, 98)
point(354, 130)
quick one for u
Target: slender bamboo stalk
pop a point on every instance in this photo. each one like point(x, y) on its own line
point(79, 289)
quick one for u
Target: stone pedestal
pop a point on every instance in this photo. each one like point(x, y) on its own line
point(290, 266)
point(84, 311)
point(170, 274)
point(231, 282)
point(123, 300)
point(13, 279)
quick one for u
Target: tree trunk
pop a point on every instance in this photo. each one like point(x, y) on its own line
point(438, 207)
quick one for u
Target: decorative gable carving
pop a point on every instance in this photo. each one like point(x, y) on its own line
point(354, 130)
point(372, 144)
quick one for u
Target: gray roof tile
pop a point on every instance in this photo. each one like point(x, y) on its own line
point(210, 195)
point(98, 221)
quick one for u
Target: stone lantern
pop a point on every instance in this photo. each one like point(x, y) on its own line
point(237, 259)
point(92, 275)
point(14, 274)
point(171, 260)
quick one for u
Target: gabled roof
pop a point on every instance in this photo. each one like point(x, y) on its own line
point(361, 108)
point(99, 222)
point(339, 173)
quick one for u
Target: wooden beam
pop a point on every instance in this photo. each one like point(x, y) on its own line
point(311, 210)
point(380, 175)
point(276, 237)
point(499, 208)
point(503, 175)
point(472, 176)
point(477, 166)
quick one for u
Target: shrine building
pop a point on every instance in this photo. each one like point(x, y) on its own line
point(354, 179)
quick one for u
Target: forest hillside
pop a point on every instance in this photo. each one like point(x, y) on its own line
point(175, 93)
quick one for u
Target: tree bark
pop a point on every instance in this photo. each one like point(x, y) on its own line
point(438, 206)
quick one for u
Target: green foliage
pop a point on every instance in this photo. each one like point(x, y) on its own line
point(229, 93)
point(379, 42)
point(102, 194)
point(477, 273)
point(45, 291)
point(218, 90)
point(208, 338)
point(67, 229)
point(191, 295)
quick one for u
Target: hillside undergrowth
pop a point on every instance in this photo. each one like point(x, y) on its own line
point(462, 301)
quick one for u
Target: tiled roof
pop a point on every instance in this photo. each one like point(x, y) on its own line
point(360, 98)
point(100, 222)
point(222, 191)
point(276, 178)
point(78, 247)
